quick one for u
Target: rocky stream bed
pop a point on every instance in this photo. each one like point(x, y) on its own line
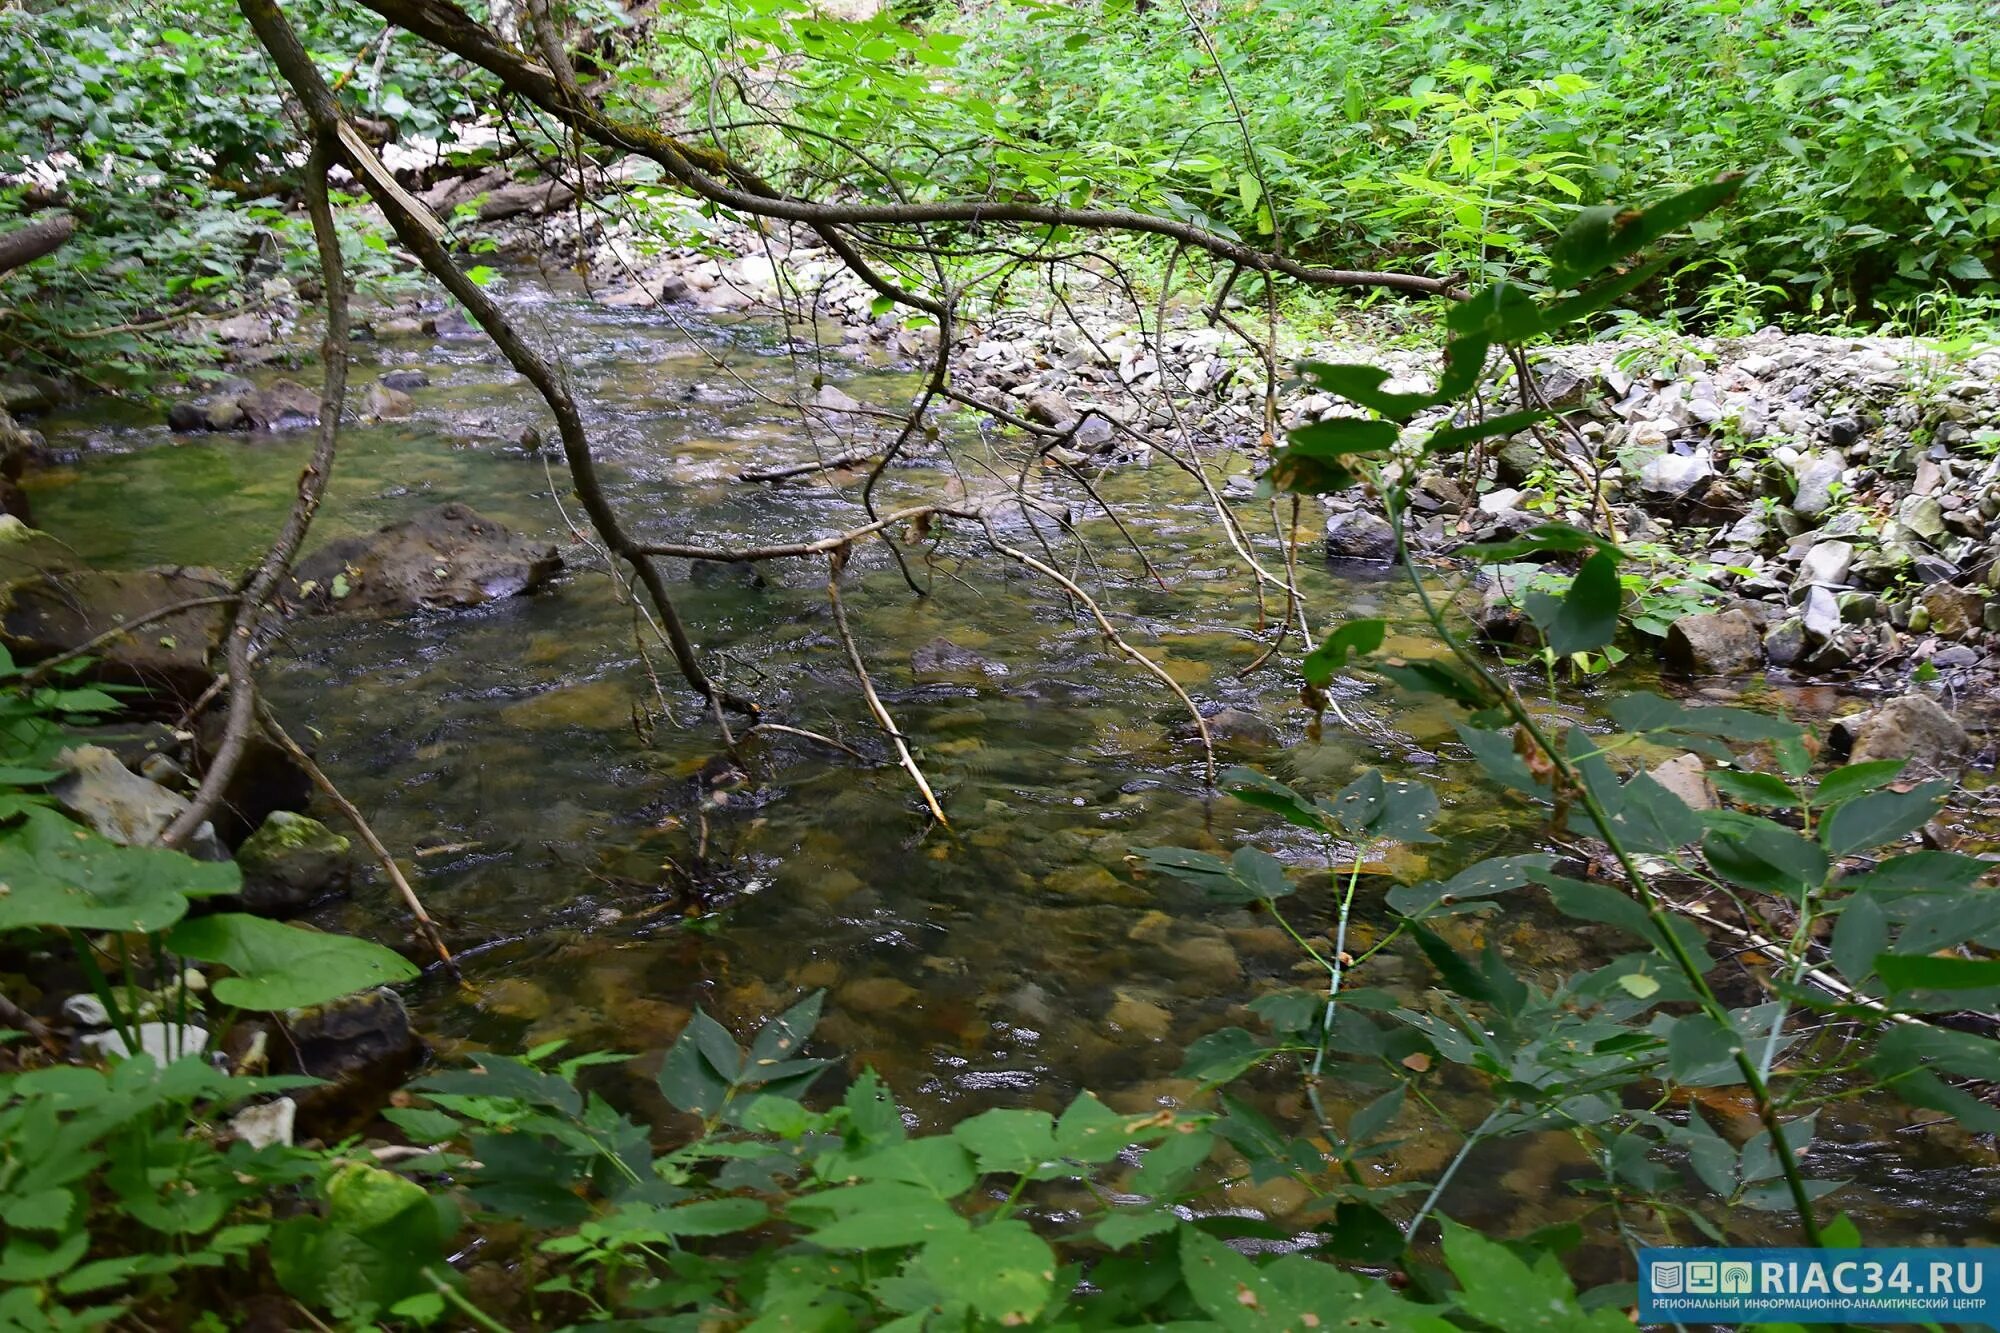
point(601, 866)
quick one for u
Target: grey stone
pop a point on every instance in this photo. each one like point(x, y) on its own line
point(1816, 480)
point(1686, 776)
point(1050, 408)
point(942, 657)
point(405, 379)
point(1843, 432)
point(1922, 515)
point(1913, 727)
point(1715, 643)
point(122, 806)
point(1827, 563)
point(1241, 727)
point(1821, 614)
point(1674, 476)
point(386, 404)
point(1359, 535)
point(1785, 642)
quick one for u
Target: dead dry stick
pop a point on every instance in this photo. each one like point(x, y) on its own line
point(352, 813)
point(875, 704)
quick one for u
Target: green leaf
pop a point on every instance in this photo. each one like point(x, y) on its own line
point(1860, 932)
point(1758, 854)
point(1013, 1141)
point(1337, 437)
point(710, 1217)
point(1701, 1053)
point(1586, 617)
point(781, 1038)
point(1363, 385)
point(278, 966)
point(1124, 1227)
point(1601, 236)
point(1090, 1131)
point(1167, 1165)
point(1003, 1270)
point(880, 1216)
point(1881, 817)
point(1507, 423)
point(1500, 1288)
point(59, 875)
point(1922, 870)
point(1267, 793)
point(1846, 783)
point(1754, 788)
point(1543, 537)
point(1437, 678)
point(938, 1164)
point(1939, 985)
point(1222, 1055)
point(1354, 638)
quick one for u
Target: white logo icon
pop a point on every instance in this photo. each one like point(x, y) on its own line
point(1736, 1278)
point(1701, 1277)
point(1666, 1275)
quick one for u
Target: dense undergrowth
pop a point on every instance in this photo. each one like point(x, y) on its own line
point(1442, 137)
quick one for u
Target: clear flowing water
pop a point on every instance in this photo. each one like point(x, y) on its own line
point(554, 817)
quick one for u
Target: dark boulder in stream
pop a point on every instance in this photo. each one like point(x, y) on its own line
point(55, 611)
point(361, 1045)
point(1914, 727)
point(290, 861)
point(447, 556)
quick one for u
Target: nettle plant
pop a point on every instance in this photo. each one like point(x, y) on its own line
point(1869, 949)
point(116, 1185)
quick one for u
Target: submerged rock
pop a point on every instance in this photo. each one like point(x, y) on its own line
point(122, 806)
point(290, 861)
point(447, 556)
point(56, 611)
point(279, 405)
point(362, 1045)
point(942, 657)
point(1913, 727)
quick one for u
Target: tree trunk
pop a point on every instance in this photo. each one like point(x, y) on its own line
point(26, 244)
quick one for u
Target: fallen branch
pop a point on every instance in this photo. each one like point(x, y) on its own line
point(44, 236)
point(875, 705)
point(352, 813)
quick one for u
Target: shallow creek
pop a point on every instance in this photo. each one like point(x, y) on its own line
point(1012, 961)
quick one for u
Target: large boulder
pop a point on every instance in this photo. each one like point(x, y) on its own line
point(447, 556)
point(57, 610)
point(362, 1046)
point(290, 861)
point(279, 405)
point(122, 806)
point(1715, 643)
point(1913, 727)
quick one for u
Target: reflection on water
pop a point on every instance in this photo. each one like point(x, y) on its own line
point(555, 815)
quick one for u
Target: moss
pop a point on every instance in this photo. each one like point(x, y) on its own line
point(284, 834)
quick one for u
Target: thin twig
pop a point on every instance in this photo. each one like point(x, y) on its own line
point(875, 705)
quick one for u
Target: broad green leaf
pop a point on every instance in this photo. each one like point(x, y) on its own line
point(1844, 784)
point(1754, 788)
point(1267, 793)
point(61, 876)
point(1363, 385)
point(1500, 1288)
point(1337, 437)
point(1003, 1270)
point(709, 1217)
point(1880, 817)
point(1009, 1140)
point(1446, 438)
point(1859, 933)
point(277, 966)
point(1090, 1131)
point(1939, 985)
point(1761, 855)
point(939, 1164)
point(1543, 537)
point(1602, 235)
point(1222, 1055)
point(1124, 1227)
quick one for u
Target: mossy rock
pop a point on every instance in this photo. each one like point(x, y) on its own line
point(291, 860)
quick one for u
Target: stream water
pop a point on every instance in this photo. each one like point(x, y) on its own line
point(1013, 960)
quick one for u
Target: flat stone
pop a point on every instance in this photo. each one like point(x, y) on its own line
point(1827, 564)
point(123, 807)
point(1816, 481)
point(1359, 535)
point(1715, 643)
point(447, 556)
point(1686, 776)
point(58, 610)
point(1913, 727)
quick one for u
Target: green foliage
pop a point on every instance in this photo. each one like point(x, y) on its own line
point(1463, 129)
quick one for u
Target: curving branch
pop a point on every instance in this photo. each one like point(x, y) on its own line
point(721, 179)
point(43, 236)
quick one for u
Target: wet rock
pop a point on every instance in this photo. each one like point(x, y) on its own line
point(1922, 515)
point(1050, 408)
point(186, 418)
point(29, 392)
point(514, 998)
point(58, 610)
point(1953, 612)
point(942, 657)
point(1785, 642)
point(1912, 727)
point(289, 862)
point(382, 403)
point(405, 380)
point(122, 806)
point(1359, 535)
point(1686, 777)
point(1518, 459)
point(266, 779)
point(725, 574)
point(361, 1045)
point(1816, 481)
point(1242, 728)
point(875, 995)
point(1715, 643)
point(447, 556)
point(279, 405)
point(1140, 1017)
